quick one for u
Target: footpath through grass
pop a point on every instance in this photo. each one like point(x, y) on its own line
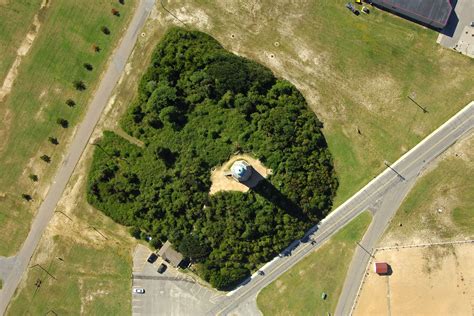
point(299, 290)
point(441, 204)
point(38, 99)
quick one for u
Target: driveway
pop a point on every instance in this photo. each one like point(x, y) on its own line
point(170, 293)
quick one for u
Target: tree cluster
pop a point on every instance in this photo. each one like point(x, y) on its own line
point(198, 104)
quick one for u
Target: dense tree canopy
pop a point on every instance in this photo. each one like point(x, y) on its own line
point(198, 104)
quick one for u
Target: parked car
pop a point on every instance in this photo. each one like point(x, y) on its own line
point(152, 258)
point(138, 290)
point(260, 272)
point(161, 268)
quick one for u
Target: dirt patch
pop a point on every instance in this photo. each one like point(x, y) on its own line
point(221, 182)
point(25, 46)
point(438, 280)
point(6, 117)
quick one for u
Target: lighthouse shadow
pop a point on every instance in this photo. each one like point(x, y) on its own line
point(267, 190)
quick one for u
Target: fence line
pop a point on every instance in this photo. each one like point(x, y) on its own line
point(426, 245)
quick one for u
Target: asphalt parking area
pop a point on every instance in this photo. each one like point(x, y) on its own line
point(170, 293)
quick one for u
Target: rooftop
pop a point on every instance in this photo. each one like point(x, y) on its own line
point(170, 255)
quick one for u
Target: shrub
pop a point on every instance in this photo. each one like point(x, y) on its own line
point(79, 85)
point(88, 66)
point(45, 158)
point(62, 122)
point(105, 30)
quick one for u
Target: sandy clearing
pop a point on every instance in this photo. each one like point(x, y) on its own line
point(437, 280)
point(220, 182)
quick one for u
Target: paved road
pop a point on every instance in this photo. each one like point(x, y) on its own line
point(383, 195)
point(103, 93)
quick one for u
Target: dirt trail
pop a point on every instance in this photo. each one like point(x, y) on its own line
point(25, 46)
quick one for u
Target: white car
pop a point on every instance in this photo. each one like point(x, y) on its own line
point(138, 290)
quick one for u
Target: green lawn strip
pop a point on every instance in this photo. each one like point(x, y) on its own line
point(299, 290)
point(369, 65)
point(93, 280)
point(16, 18)
point(43, 84)
point(451, 183)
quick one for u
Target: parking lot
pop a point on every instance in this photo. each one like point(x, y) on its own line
point(170, 293)
point(458, 34)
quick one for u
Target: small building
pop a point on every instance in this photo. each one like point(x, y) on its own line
point(170, 255)
point(381, 268)
point(432, 13)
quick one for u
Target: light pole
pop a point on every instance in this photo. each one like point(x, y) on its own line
point(412, 99)
point(398, 174)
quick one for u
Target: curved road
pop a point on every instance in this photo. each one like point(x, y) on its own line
point(102, 95)
point(382, 195)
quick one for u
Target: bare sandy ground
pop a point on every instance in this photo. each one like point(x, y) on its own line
point(220, 182)
point(437, 280)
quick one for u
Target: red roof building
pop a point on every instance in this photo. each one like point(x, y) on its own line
point(381, 268)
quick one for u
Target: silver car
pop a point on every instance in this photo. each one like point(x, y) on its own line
point(138, 290)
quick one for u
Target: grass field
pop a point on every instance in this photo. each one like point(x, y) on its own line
point(441, 205)
point(356, 72)
point(44, 82)
point(88, 258)
point(15, 21)
point(298, 291)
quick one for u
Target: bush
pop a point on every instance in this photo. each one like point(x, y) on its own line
point(135, 232)
point(63, 122)
point(70, 102)
point(79, 85)
point(105, 30)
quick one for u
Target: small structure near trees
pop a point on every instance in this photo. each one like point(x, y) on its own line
point(170, 255)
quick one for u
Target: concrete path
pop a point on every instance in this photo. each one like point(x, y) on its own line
point(84, 131)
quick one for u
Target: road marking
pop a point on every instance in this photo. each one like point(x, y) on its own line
point(369, 195)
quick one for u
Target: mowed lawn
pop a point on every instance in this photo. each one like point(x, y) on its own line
point(45, 81)
point(355, 72)
point(441, 204)
point(299, 290)
point(15, 21)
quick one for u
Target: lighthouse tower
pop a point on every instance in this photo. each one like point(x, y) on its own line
point(241, 170)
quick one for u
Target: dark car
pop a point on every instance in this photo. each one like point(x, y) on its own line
point(161, 268)
point(152, 258)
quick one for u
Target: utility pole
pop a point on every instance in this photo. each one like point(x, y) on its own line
point(370, 254)
point(98, 232)
point(105, 152)
point(38, 265)
point(412, 99)
point(398, 174)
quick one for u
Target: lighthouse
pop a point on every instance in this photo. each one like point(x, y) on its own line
point(241, 170)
